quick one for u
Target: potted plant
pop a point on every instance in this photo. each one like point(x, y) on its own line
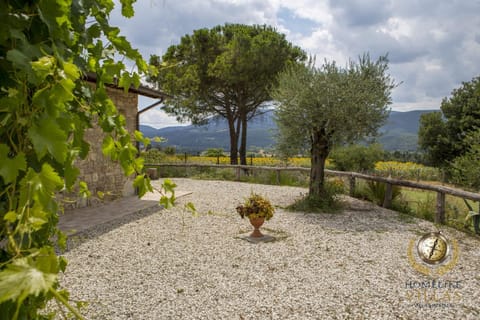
point(257, 209)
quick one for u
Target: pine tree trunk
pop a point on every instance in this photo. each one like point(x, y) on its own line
point(319, 153)
point(243, 141)
point(233, 142)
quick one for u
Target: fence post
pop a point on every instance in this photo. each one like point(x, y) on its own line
point(238, 173)
point(218, 160)
point(278, 176)
point(387, 201)
point(440, 214)
point(185, 157)
point(251, 159)
point(352, 186)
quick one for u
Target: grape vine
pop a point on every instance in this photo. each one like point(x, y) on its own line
point(46, 49)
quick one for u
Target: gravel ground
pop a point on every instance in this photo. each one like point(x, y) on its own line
point(348, 265)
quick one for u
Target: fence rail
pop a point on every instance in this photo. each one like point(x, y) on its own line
point(352, 176)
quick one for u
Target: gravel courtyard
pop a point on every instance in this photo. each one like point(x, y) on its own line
point(347, 265)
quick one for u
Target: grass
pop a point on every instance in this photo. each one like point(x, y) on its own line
point(328, 202)
point(422, 204)
point(316, 205)
point(411, 202)
point(293, 179)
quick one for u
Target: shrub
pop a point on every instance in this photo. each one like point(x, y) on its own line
point(465, 170)
point(153, 156)
point(329, 202)
point(375, 192)
point(426, 208)
point(170, 151)
point(213, 152)
point(336, 185)
point(356, 157)
point(401, 205)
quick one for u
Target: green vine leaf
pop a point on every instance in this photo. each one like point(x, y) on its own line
point(190, 207)
point(62, 244)
point(127, 8)
point(108, 146)
point(10, 216)
point(47, 136)
point(18, 58)
point(159, 139)
point(84, 192)
point(127, 80)
point(55, 15)
point(140, 138)
point(43, 67)
point(142, 183)
point(11, 167)
point(62, 262)
point(40, 186)
point(71, 70)
point(20, 279)
point(167, 202)
point(169, 186)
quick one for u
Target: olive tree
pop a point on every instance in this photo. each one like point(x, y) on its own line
point(320, 107)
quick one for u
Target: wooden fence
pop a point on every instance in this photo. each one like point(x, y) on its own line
point(441, 191)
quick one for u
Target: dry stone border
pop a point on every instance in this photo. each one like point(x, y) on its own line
point(349, 265)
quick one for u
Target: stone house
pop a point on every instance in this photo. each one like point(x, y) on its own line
point(100, 173)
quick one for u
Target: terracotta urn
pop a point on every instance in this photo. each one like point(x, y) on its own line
point(257, 223)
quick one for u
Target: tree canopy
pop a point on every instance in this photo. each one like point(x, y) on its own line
point(443, 135)
point(226, 71)
point(465, 169)
point(46, 49)
point(330, 105)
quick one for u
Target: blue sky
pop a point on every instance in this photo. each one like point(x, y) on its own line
point(433, 45)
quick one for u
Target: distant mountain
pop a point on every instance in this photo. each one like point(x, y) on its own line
point(401, 130)
point(214, 134)
point(399, 133)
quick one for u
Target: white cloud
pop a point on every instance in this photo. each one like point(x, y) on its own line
point(397, 28)
point(155, 117)
point(433, 45)
point(314, 10)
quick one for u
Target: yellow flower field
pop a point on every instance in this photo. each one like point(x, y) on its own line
point(256, 161)
point(407, 170)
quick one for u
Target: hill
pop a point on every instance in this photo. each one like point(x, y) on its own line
point(401, 130)
point(399, 133)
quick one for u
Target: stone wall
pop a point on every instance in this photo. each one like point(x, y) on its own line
point(100, 173)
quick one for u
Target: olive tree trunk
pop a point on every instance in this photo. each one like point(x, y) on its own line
point(319, 153)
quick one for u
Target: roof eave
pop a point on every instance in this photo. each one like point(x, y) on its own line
point(141, 90)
